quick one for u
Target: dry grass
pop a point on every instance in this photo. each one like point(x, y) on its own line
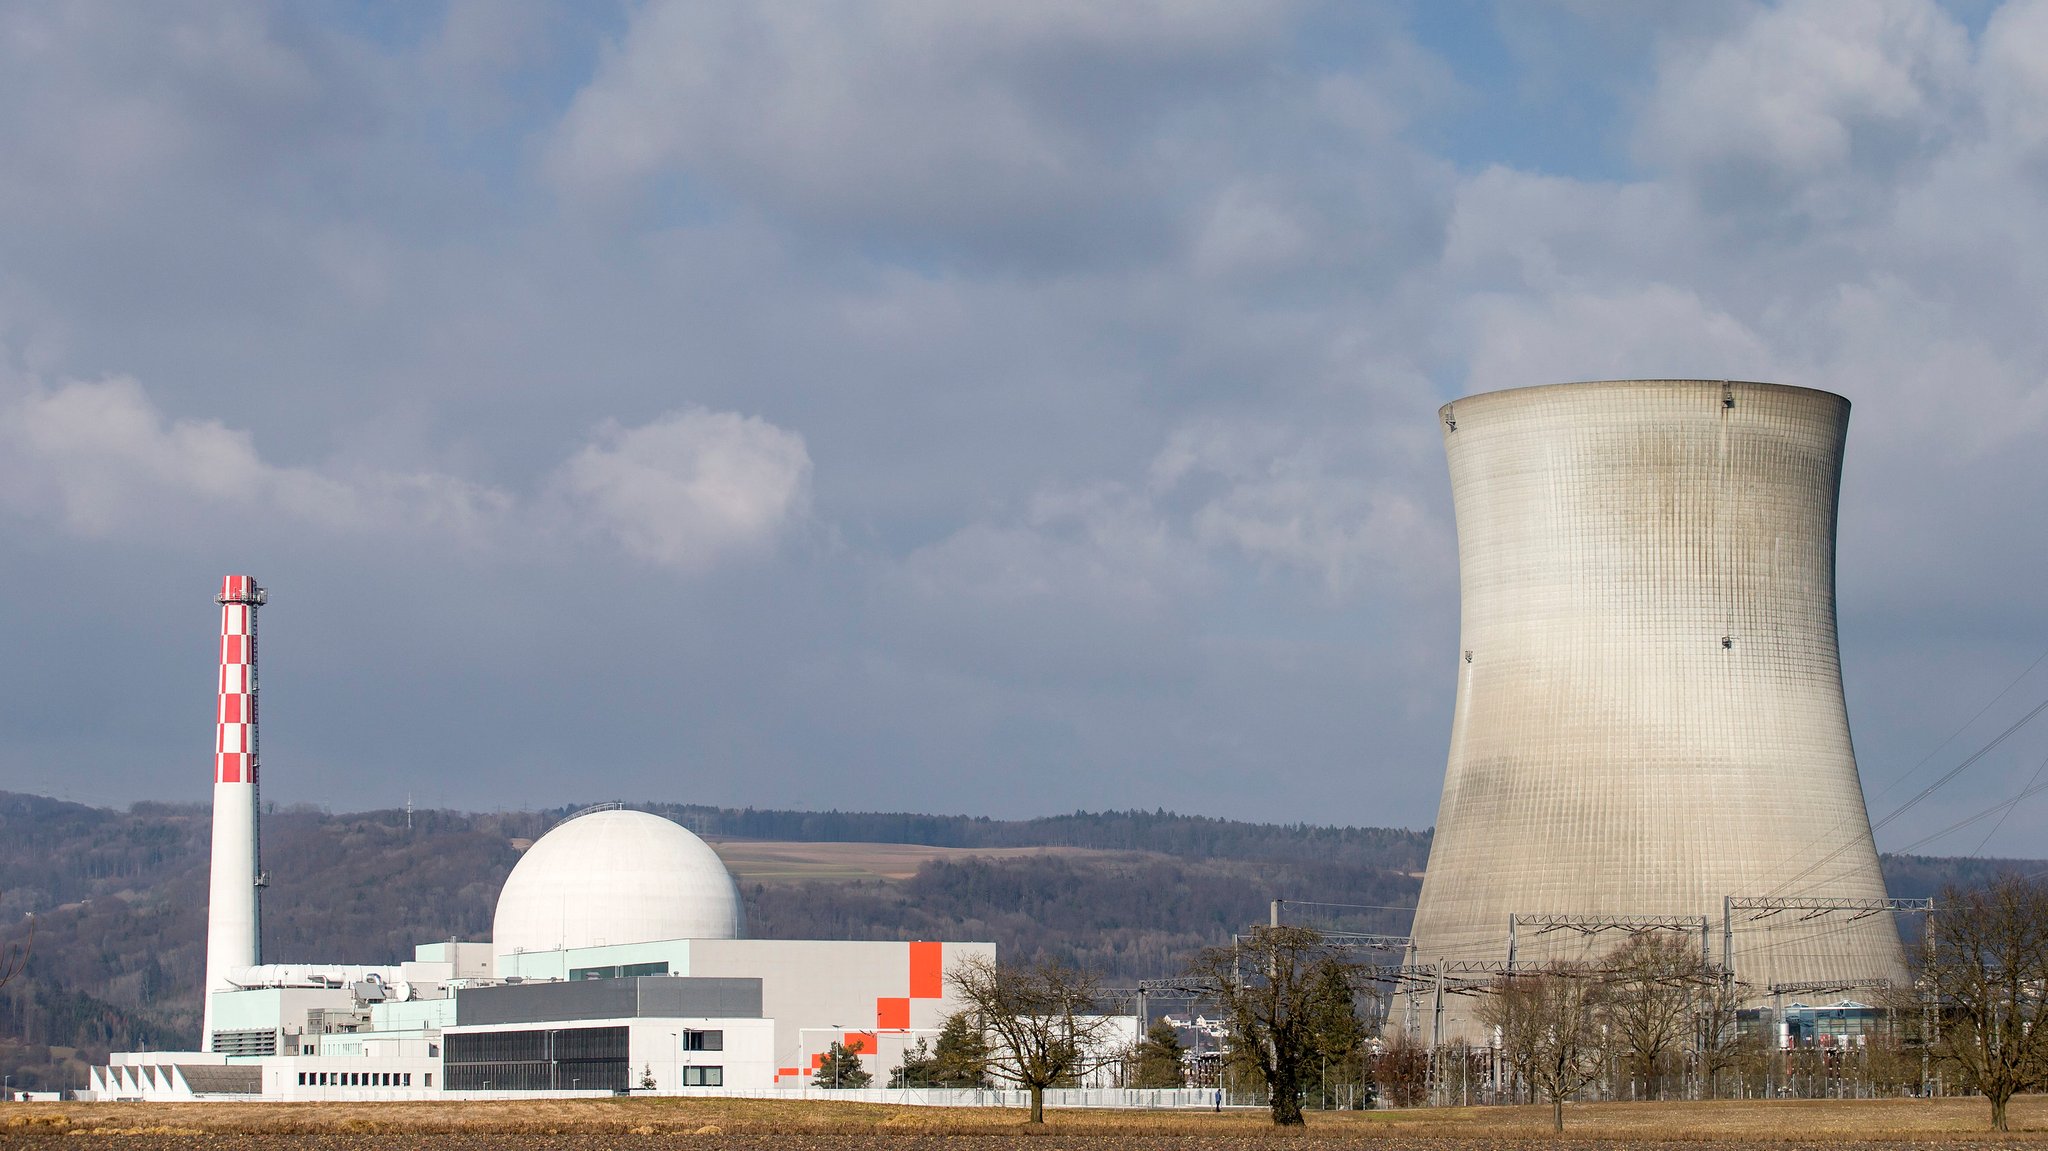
point(577, 1123)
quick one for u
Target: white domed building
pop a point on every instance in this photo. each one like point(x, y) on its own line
point(610, 876)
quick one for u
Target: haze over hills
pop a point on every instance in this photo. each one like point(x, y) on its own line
point(120, 895)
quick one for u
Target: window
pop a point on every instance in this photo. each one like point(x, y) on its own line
point(302, 1079)
point(620, 971)
point(408, 1079)
point(429, 1077)
point(703, 1040)
point(703, 1076)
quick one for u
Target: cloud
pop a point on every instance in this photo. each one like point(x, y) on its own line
point(943, 127)
point(1306, 502)
point(685, 492)
point(1119, 332)
point(691, 488)
point(98, 457)
point(1815, 104)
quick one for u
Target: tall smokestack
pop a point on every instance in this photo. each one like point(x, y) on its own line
point(232, 907)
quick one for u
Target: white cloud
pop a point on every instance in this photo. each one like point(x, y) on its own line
point(1814, 96)
point(1651, 331)
point(99, 457)
point(686, 491)
point(691, 488)
point(1330, 504)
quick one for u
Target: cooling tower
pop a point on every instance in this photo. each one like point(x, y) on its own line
point(1649, 708)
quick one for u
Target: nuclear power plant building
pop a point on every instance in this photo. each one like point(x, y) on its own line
point(1649, 718)
point(618, 963)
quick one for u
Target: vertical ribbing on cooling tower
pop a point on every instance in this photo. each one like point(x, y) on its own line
point(1649, 710)
point(233, 925)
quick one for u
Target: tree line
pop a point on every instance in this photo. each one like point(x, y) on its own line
point(1651, 1018)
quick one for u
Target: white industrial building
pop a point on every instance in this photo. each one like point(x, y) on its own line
point(618, 962)
point(581, 991)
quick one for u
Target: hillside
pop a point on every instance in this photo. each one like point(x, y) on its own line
point(120, 895)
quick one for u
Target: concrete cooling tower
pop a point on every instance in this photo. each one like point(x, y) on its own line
point(1649, 710)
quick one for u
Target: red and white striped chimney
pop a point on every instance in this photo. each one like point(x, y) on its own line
point(233, 907)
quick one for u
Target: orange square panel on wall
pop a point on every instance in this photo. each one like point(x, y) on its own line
point(866, 1039)
point(927, 971)
point(892, 1014)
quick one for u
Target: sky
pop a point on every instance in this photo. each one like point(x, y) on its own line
point(1004, 408)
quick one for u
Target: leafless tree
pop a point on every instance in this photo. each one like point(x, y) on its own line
point(14, 957)
point(1401, 1071)
point(1986, 963)
point(1654, 981)
point(1043, 1020)
point(1548, 1020)
point(1719, 1040)
point(1269, 983)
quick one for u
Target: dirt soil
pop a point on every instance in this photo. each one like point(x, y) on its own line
point(747, 1125)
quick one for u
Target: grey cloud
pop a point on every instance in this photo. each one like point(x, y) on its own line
point(1811, 108)
point(998, 409)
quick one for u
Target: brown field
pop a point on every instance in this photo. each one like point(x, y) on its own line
point(776, 861)
point(578, 1125)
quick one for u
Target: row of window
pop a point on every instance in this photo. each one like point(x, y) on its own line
point(619, 971)
point(361, 1079)
point(692, 1077)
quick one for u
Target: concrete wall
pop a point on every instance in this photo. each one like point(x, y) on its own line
point(881, 994)
point(1649, 710)
point(354, 1077)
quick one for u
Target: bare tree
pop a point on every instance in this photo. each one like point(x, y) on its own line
point(1653, 981)
point(1718, 1033)
point(1401, 1071)
point(1269, 984)
point(1985, 964)
point(14, 957)
point(1043, 1020)
point(1549, 1029)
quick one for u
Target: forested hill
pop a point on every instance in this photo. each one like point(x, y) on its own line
point(1159, 831)
point(119, 896)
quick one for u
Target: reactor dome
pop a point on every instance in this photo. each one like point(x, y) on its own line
point(613, 876)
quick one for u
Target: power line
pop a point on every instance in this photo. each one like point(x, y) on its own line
point(1929, 790)
point(2031, 781)
point(1904, 775)
point(2003, 805)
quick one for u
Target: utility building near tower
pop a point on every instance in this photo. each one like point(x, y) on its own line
point(1649, 720)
